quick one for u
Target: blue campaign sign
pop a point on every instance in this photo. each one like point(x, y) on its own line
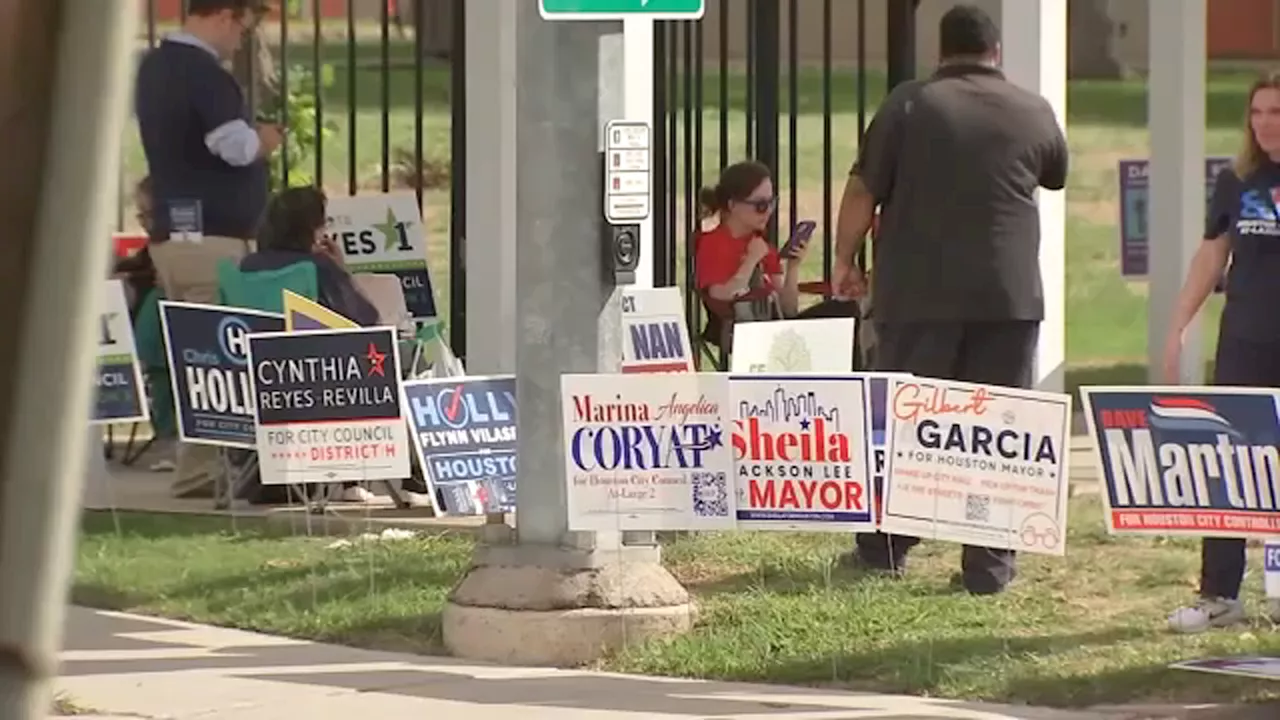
point(208, 350)
point(464, 430)
point(1134, 194)
point(1179, 461)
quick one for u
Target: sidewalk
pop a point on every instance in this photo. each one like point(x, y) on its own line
point(132, 666)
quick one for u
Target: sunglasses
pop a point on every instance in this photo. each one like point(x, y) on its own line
point(761, 205)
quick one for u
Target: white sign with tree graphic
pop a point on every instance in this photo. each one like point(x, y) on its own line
point(783, 346)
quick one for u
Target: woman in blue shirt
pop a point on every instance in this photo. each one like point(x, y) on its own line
point(1243, 227)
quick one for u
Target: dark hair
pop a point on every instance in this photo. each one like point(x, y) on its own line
point(213, 7)
point(737, 182)
point(144, 186)
point(967, 31)
point(292, 218)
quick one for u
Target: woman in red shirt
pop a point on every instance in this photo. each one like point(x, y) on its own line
point(727, 256)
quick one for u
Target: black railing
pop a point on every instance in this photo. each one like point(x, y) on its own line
point(752, 96)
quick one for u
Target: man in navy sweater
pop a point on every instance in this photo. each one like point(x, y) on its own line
point(208, 165)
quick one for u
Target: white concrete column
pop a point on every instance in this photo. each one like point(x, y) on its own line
point(637, 39)
point(491, 186)
point(1175, 116)
point(1034, 36)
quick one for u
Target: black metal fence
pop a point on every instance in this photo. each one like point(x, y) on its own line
point(771, 93)
point(374, 100)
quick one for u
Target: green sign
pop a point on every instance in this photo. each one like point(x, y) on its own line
point(620, 9)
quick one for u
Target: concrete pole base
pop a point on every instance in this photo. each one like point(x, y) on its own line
point(563, 607)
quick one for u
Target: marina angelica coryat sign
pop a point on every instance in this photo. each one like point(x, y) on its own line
point(647, 452)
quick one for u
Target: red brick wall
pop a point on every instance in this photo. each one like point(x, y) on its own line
point(1242, 29)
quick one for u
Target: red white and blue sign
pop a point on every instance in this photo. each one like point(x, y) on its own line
point(328, 406)
point(802, 452)
point(464, 431)
point(647, 452)
point(1202, 462)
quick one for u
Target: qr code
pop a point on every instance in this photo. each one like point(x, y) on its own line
point(977, 508)
point(710, 494)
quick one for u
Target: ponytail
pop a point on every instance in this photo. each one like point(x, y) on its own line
point(709, 201)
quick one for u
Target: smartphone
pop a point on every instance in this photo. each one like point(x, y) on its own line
point(801, 233)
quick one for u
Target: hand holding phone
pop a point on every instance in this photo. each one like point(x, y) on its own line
point(800, 235)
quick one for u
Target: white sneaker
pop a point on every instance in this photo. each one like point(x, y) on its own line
point(1206, 614)
point(357, 494)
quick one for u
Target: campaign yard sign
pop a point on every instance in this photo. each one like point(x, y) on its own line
point(302, 313)
point(464, 431)
point(655, 338)
point(821, 345)
point(877, 430)
point(801, 454)
point(208, 349)
point(648, 452)
point(118, 379)
point(328, 406)
point(383, 233)
point(1255, 667)
point(1202, 462)
point(978, 465)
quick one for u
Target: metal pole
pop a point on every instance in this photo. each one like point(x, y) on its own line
point(64, 73)
point(559, 277)
point(768, 21)
point(901, 29)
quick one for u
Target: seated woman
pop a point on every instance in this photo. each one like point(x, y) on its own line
point(293, 232)
point(733, 259)
point(142, 292)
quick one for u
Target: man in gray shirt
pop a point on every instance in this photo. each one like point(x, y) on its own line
point(953, 163)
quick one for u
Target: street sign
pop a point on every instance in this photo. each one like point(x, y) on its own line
point(621, 9)
point(627, 172)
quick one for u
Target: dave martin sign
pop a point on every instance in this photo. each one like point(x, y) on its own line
point(978, 465)
point(1187, 461)
point(647, 452)
point(801, 453)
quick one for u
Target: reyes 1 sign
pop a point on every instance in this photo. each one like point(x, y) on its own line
point(383, 233)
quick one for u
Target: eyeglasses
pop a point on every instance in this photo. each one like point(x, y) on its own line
point(761, 205)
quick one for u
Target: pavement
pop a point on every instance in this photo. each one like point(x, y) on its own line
point(128, 666)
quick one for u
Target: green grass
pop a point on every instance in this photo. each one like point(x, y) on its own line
point(1106, 314)
point(1075, 631)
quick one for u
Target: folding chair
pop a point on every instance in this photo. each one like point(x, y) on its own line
point(262, 290)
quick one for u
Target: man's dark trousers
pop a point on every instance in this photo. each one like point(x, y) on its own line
point(991, 353)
